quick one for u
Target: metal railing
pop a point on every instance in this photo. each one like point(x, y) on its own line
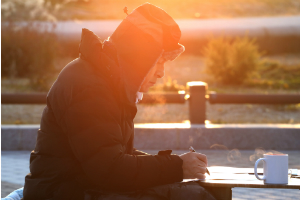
point(254, 98)
point(197, 99)
point(40, 98)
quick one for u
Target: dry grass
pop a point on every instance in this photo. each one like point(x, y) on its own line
point(185, 68)
point(192, 68)
point(220, 113)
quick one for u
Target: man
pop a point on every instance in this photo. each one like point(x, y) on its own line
point(86, 137)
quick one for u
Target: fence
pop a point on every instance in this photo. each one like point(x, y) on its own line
point(197, 98)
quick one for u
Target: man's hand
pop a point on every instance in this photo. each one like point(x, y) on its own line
point(194, 165)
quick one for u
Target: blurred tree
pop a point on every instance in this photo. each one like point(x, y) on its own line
point(28, 46)
point(19, 10)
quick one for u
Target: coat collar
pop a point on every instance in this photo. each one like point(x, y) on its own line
point(90, 47)
point(102, 56)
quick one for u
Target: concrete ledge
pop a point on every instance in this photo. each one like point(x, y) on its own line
point(181, 136)
point(18, 137)
point(163, 136)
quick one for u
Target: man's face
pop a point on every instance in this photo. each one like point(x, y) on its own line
point(156, 72)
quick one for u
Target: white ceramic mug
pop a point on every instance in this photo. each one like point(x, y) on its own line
point(275, 168)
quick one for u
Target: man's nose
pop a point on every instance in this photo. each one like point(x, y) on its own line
point(160, 72)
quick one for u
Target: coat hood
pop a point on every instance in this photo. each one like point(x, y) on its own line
point(140, 40)
point(145, 35)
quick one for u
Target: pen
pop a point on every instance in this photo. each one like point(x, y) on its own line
point(193, 150)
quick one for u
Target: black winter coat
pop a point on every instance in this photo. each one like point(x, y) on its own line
point(86, 136)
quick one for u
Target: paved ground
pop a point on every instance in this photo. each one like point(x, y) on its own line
point(15, 165)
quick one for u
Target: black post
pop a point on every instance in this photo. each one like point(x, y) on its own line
point(197, 102)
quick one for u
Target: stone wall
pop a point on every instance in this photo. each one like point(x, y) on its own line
point(181, 136)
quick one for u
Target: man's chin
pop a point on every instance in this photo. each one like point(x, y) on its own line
point(144, 89)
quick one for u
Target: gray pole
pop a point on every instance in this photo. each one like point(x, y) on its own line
point(197, 102)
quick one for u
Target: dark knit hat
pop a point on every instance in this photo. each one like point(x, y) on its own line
point(161, 26)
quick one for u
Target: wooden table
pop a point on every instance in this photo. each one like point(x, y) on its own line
point(223, 179)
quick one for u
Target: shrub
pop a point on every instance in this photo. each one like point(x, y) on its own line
point(231, 62)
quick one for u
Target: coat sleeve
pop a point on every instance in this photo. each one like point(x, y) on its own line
point(91, 122)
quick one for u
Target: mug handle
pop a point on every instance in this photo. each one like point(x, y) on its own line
point(255, 169)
